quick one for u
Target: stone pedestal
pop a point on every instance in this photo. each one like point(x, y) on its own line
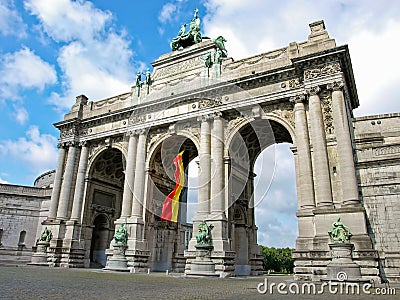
point(39, 258)
point(118, 261)
point(202, 265)
point(342, 267)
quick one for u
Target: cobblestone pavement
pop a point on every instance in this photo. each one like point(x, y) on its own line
point(59, 283)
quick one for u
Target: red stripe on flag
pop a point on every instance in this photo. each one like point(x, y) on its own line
point(171, 202)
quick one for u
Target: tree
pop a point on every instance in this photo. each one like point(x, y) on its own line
point(277, 259)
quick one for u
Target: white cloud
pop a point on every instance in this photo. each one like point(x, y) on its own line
point(21, 114)
point(36, 151)
point(96, 60)
point(65, 20)
point(376, 77)
point(11, 22)
point(98, 70)
point(3, 181)
point(369, 27)
point(24, 70)
point(167, 12)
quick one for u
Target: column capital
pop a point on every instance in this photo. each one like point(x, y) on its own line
point(337, 85)
point(130, 133)
point(139, 132)
point(84, 143)
point(216, 115)
point(61, 145)
point(314, 90)
point(205, 118)
point(70, 144)
point(299, 98)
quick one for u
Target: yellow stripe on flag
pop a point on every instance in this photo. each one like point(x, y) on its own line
point(171, 203)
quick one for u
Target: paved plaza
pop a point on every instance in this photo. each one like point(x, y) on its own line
point(59, 283)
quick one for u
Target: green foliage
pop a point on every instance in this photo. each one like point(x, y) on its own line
point(277, 259)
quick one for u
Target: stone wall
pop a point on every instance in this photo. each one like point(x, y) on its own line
point(21, 209)
point(377, 144)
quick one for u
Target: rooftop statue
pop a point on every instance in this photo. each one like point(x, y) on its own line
point(207, 59)
point(339, 233)
point(193, 36)
point(220, 43)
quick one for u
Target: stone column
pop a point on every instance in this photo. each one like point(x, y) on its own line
point(322, 184)
point(217, 156)
point(138, 187)
point(129, 176)
point(203, 208)
point(55, 195)
point(66, 187)
point(344, 146)
point(80, 183)
point(305, 176)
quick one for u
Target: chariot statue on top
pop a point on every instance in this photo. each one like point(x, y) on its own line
point(193, 36)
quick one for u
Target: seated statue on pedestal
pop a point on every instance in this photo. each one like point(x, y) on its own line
point(46, 235)
point(121, 235)
point(339, 233)
point(204, 236)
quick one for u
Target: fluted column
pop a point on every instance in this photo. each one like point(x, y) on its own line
point(138, 186)
point(129, 176)
point(217, 156)
point(322, 184)
point(344, 146)
point(66, 187)
point(305, 176)
point(203, 208)
point(55, 194)
point(80, 183)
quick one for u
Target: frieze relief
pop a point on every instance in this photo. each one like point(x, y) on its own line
point(326, 106)
point(154, 136)
point(96, 146)
point(388, 150)
point(136, 119)
point(256, 59)
point(179, 68)
point(323, 70)
point(294, 83)
point(283, 110)
point(207, 103)
point(236, 122)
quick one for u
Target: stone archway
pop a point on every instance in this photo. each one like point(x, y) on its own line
point(245, 145)
point(103, 203)
point(167, 239)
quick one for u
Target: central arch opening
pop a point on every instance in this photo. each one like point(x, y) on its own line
point(168, 239)
point(254, 165)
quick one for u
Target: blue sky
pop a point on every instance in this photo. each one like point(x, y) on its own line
point(53, 50)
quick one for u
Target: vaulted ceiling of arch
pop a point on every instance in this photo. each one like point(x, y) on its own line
point(161, 164)
point(255, 137)
point(109, 167)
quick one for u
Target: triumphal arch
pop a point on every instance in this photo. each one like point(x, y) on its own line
point(115, 162)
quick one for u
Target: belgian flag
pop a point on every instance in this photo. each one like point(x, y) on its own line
point(171, 203)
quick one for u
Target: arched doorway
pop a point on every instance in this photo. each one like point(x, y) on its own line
point(103, 203)
point(100, 240)
point(168, 240)
point(244, 148)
